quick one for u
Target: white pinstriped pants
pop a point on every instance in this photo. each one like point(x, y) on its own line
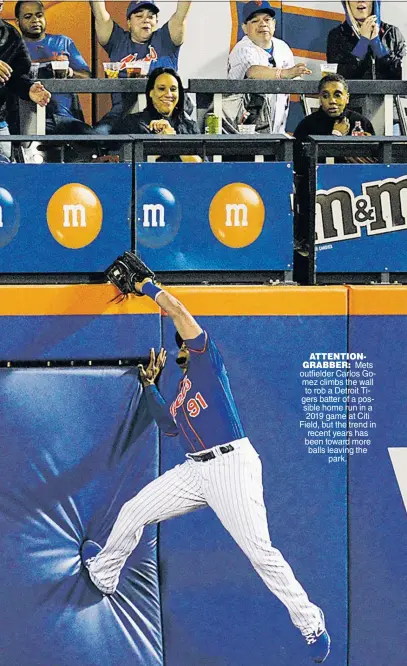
point(231, 484)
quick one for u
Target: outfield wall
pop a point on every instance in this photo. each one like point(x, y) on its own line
point(77, 442)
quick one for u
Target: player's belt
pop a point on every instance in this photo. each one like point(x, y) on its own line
point(209, 455)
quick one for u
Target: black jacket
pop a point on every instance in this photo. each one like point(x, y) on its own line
point(138, 123)
point(320, 123)
point(14, 52)
point(341, 42)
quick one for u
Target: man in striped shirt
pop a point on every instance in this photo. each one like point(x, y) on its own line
point(260, 55)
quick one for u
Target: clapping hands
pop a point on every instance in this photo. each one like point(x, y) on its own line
point(370, 27)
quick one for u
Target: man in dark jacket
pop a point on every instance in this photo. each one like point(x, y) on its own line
point(333, 117)
point(364, 46)
point(15, 65)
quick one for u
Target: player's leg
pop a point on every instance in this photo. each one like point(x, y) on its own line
point(235, 493)
point(176, 492)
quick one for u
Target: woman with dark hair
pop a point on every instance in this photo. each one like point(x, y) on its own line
point(164, 113)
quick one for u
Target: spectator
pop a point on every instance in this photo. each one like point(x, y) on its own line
point(15, 66)
point(143, 41)
point(164, 113)
point(260, 55)
point(364, 46)
point(64, 115)
point(333, 117)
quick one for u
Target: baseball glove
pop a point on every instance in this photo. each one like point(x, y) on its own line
point(125, 271)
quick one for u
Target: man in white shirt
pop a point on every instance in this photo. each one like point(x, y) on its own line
point(260, 55)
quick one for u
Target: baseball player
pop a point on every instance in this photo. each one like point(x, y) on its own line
point(222, 470)
point(260, 55)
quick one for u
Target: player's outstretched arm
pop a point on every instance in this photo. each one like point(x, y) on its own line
point(103, 21)
point(184, 322)
point(130, 275)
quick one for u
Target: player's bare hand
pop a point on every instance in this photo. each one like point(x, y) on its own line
point(38, 94)
point(149, 374)
point(370, 27)
point(161, 126)
point(5, 71)
point(342, 126)
point(298, 70)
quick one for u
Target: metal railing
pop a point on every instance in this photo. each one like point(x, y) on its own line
point(137, 147)
point(380, 93)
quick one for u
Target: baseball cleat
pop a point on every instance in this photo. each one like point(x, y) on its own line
point(319, 642)
point(89, 550)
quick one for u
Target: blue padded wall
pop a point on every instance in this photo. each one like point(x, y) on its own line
point(76, 443)
point(216, 610)
point(74, 449)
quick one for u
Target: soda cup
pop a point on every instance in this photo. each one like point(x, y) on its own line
point(60, 68)
point(212, 124)
point(133, 70)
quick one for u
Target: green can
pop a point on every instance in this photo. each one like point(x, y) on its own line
point(212, 124)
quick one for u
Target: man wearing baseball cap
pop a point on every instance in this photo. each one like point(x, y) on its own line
point(260, 55)
point(143, 41)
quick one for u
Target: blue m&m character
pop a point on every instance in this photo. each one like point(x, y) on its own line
point(158, 216)
point(9, 217)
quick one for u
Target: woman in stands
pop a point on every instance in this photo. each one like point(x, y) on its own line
point(164, 113)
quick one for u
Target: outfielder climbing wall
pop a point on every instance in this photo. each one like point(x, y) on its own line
point(76, 443)
point(216, 610)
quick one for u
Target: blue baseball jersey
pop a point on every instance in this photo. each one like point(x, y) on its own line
point(158, 51)
point(46, 50)
point(203, 412)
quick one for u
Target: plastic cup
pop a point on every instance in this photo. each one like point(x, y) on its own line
point(60, 68)
point(328, 68)
point(111, 69)
point(133, 70)
point(145, 67)
point(34, 69)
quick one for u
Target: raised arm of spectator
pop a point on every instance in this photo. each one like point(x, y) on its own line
point(177, 22)
point(103, 21)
